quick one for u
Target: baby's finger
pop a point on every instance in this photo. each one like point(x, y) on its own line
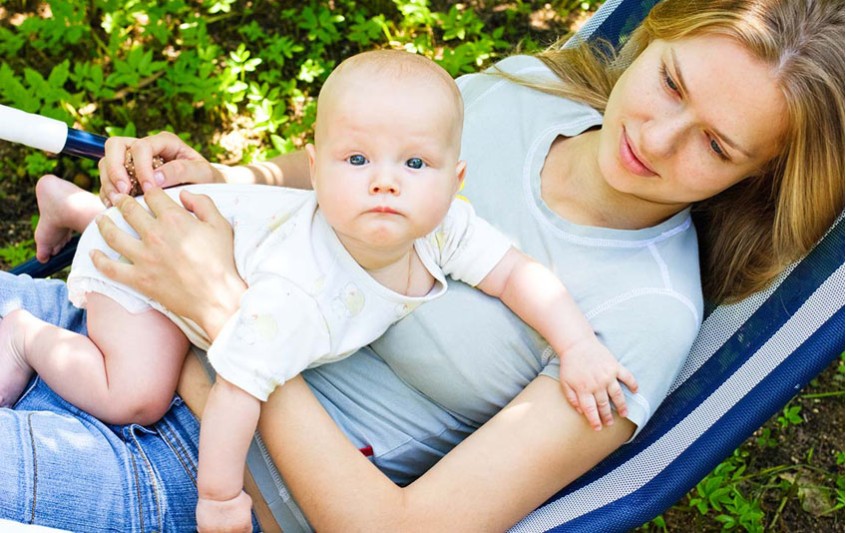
point(571, 396)
point(627, 377)
point(604, 408)
point(588, 406)
point(615, 392)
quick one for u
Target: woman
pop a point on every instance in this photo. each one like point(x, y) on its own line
point(607, 206)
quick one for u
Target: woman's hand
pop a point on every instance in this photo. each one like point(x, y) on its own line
point(183, 165)
point(184, 263)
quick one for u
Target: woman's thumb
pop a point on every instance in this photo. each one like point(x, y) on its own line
point(180, 171)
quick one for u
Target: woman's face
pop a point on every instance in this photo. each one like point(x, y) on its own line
point(690, 118)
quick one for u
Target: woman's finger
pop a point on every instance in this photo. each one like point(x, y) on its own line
point(170, 148)
point(114, 178)
point(162, 205)
point(141, 220)
point(204, 209)
point(179, 171)
point(113, 269)
point(120, 241)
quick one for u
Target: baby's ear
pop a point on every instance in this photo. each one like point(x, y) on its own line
point(311, 153)
point(460, 171)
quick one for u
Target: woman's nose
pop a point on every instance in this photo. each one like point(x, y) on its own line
point(662, 136)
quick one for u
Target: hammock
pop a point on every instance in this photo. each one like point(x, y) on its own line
point(749, 360)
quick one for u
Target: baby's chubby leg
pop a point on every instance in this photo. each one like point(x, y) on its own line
point(63, 208)
point(15, 372)
point(126, 371)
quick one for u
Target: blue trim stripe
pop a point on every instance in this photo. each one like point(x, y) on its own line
point(797, 287)
point(720, 439)
point(624, 16)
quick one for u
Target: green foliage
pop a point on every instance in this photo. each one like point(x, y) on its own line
point(213, 67)
point(720, 494)
point(790, 416)
point(239, 81)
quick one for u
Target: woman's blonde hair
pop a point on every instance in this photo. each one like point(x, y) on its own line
point(750, 232)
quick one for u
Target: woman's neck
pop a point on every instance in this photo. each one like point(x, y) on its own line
point(573, 187)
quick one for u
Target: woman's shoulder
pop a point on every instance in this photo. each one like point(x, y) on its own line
point(519, 66)
point(499, 90)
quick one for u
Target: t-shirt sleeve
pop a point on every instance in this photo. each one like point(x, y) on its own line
point(651, 335)
point(277, 332)
point(466, 246)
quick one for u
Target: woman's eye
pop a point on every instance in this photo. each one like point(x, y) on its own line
point(357, 160)
point(415, 163)
point(715, 146)
point(668, 80)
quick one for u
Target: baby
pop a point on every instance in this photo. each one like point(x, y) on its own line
point(328, 271)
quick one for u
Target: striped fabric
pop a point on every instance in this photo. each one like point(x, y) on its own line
point(749, 360)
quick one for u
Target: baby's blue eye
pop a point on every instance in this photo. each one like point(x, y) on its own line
point(357, 160)
point(415, 163)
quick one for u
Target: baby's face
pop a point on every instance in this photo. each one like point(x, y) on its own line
point(385, 165)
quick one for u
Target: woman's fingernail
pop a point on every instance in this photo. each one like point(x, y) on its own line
point(159, 177)
point(146, 186)
point(122, 186)
point(113, 196)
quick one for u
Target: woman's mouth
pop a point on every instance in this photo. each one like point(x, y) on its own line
point(630, 159)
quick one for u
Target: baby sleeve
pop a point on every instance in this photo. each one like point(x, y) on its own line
point(466, 246)
point(277, 332)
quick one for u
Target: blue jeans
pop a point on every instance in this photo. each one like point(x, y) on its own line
point(61, 467)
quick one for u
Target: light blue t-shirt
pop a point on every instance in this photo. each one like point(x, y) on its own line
point(444, 370)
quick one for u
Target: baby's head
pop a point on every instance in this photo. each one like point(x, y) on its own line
point(386, 146)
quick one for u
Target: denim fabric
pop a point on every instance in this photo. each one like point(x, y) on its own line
point(45, 298)
point(61, 467)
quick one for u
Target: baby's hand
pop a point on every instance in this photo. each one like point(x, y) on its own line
point(591, 376)
point(230, 516)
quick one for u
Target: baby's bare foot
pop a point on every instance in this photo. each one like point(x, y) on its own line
point(51, 234)
point(14, 370)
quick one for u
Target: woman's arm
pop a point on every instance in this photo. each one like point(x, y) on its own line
point(186, 165)
point(288, 170)
point(532, 448)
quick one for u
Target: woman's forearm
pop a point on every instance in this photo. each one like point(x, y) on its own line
point(289, 170)
point(529, 450)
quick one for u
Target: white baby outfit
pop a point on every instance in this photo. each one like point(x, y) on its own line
point(308, 302)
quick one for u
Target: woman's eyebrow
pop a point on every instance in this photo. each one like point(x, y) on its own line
point(680, 79)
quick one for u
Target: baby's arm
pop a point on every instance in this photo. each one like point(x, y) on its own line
point(590, 374)
point(228, 424)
